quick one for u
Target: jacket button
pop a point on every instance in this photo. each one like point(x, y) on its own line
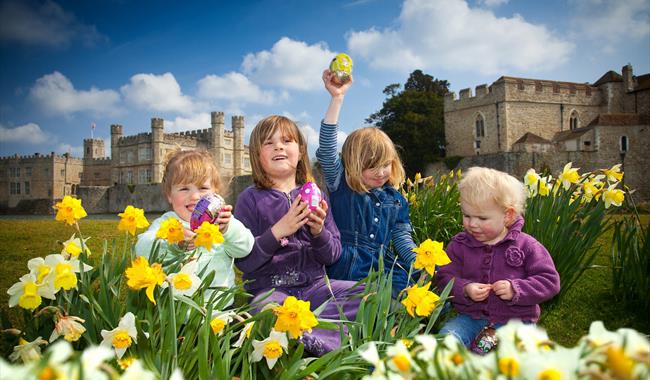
point(372, 236)
point(377, 204)
point(376, 220)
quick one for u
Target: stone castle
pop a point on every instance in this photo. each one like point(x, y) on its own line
point(33, 183)
point(516, 124)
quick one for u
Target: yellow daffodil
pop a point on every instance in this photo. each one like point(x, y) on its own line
point(121, 337)
point(69, 326)
point(568, 176)
point(418, 177)
point(270, 348)
point(220, 320)
point(207, 235)
point(614, 174)
point(69, 210)
point(591, 189)
point(619, 364)
point(420, 300)
point(295, 317)
point(171, 230)
point(132, 219)
point(72, 247)
point(531, 178)
point(140, 275)
point(430, 254)
point(613, 196)
point(244, 334)
point(185, 282)
point(27, 351)
point(27, 294)
point(543, 189)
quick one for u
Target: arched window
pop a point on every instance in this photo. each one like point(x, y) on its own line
point(624, 145)
point(480, 126)
point(574, 121)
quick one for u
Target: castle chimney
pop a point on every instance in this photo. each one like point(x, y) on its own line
point(628, 78)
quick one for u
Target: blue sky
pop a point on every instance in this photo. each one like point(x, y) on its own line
point(65, 65)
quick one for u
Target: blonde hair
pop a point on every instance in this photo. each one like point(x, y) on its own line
point(264, 129)
point(368, 148)
point(480, 185)
point(190, 167)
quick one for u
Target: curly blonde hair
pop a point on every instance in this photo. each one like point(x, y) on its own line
point(480, 185)
point(190, 167)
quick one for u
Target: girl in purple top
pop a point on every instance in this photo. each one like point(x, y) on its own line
point(499, 272)
point(292, 244)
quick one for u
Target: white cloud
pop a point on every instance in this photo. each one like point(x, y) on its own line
point(492, 3)
point(157, 93)
point(290, 64)
point(191, 123)
point(46, 24)
point(29, 133)
point(611, 21)
point(56, 94)
point(448, 34)
point(236, 87)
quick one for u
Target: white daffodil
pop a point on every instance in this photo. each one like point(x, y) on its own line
point(451, 355)
point(72, 247)
point(531, 180)
point(270, 348)
point(244, 334)
point(221, 319)
point(92, 360)
point(371, 355)
point(599, 336)
point(16, 371)
point(69, 326)
point(185, 282)
point(429, 345)
point(27, 351)
point(121, 337)
point(636, 344)
point(400, 359)
point(552, 364)
point(519, 336)
point(27, 294)
point(137, 372)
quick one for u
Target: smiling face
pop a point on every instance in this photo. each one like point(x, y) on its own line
point(488, 223)
point(183, 197)
point(279, 156)
point(376, 177)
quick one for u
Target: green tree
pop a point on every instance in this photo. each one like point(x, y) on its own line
point(414, 119)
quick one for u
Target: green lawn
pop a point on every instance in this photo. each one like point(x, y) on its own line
point(590, 299)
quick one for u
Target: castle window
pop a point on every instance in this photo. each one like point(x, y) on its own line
point(588, 91)
point(130, 157)
point(538, 86)
point(144, 154)
point(129, 177)
point(14, 188)
point(624, 144)
point(63, 173)
point(122, 157)
point(520, 85)
point(574, 121)
point(227, 159)
point(247, 163)
point(28, 171)
point(227, 142)
point(27, 188)
point(556, 88)
point(572, 89)
point(479, 127)
point(88, 150)
point(12, 172)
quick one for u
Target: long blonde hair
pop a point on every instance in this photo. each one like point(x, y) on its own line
point(264, 129)
point(368, 148)
point(190, 167)
point(481, 185)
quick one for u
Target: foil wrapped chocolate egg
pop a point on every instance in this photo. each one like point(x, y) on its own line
point(206, 210)
point(310, 193)
point(341, 66)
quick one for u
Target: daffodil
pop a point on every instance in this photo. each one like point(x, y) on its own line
point(420, 300)
point(171, 230)
point(93, 361)
point(618, 363)
point(591, 188)
point(400, 358)
point(220, 319)
point(568, 176)
point(430, 254)
point(69, 326)
point(136, 371)
point(613, 196)
point(140, 275)
point(544, 189)
point(126, 362)
point(132, 219)
point(295, 317)
point(614, 174)
point(270, 348)
point(185, 282)
point(121, 337)
point(207, 235)
point(370, 354)
point(69, 210)
point(27, 294)
point(27, 351)
point(509, 366)
point(72, 247)
point(531, 178)
point(244, 334)
point(558, 364)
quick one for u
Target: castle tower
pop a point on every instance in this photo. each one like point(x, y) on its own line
point(93, 149)
point(217, 122)
point(116, 134)
point(628, 78)
point(238, 144)
point(157, 140)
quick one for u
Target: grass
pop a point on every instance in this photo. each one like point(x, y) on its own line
point(590, 299)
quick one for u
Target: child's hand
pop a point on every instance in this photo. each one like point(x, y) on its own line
point(188, 244)
point(224, 218)
point(316, 219)
point(503, 289)
point(335, 89)
point(477, 292)
point(295, 218)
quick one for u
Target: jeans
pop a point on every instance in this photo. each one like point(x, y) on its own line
point(465, 328)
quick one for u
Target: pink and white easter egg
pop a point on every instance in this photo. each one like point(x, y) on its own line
point(311, 194)
point(206, 210)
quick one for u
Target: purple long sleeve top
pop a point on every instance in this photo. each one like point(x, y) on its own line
point(300, 261)
point(518, 258)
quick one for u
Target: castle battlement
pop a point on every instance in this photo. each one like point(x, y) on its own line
point(140, 137)
point(99, 160)
point(38, 156)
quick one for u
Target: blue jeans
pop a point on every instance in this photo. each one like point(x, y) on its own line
point(465, 328)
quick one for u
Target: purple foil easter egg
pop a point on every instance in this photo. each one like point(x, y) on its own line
point(206, 210)
point(311, 194)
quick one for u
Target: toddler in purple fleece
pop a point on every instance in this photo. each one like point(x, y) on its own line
point(500, 273)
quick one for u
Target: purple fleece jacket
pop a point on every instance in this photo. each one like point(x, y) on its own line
point(301, 262)
point(518, 258)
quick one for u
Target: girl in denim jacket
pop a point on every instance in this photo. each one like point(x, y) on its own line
point(368, 209)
